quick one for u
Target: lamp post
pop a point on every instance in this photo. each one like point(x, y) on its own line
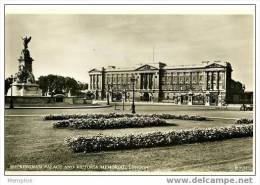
point(108, 94)
point(109, 86)
point(124, 95)
point(11, 100)
point(133, 102)
point(123, 99)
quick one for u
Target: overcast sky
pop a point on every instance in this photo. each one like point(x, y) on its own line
point(71, 45)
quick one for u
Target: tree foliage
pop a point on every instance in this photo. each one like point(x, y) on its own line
point(55, 84)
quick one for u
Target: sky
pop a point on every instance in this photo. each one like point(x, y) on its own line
point(72, 44)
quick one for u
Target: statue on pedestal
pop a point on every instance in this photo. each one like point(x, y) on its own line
point(25, 64)
point(24, 81)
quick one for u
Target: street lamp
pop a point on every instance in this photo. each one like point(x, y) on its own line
point(107, 94)
point(109, 86)
point(124, 95)
point(133, 102)
point(11, 100)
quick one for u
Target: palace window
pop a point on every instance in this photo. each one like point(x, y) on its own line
point(221, 76)
point(181, 79)
point(114, 79)
point(169, 79)
point(201, 78)
point(214, 76)
point(119, 79)
point(175, 79)
point(187, 79)
point(194, 78)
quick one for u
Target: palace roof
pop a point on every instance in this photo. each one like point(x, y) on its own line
point(158, 65)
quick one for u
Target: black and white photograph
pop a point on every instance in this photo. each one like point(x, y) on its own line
point(131, 90)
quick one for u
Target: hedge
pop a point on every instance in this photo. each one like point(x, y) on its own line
point(103, 123)
point(244, 121)
point(119, 115)
point(99, 143)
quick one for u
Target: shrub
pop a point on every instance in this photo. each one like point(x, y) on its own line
point(244, 121)
point(100, 142)
point(103, 123)
point(119, 115)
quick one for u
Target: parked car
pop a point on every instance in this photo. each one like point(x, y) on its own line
point(246, 107)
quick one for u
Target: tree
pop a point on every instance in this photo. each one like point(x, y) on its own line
point(83, 86)
point(55, 84)
point(43, 84)
point(71, 85)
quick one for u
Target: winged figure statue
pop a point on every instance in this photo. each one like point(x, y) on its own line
point(26, 40)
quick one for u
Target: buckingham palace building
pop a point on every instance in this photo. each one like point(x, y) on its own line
point(207, 83)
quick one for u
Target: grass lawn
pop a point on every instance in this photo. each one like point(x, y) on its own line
point(31, 141)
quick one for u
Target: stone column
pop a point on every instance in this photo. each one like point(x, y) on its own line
point(100, 82)
point(117, 81)
point(207, 80)
point(218, 80)
point(97, 79)
point(141, 81)
point(211, 81)
point(90, 82)
point(151, 82)
point(148, 80)
point(198, 78)
point(191, 78)
point(138, 82)
point(224, 82)
point(93, 82)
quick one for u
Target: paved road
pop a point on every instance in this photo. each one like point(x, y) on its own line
point(178, 110)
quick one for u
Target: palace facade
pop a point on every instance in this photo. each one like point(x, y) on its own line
point(208, 83)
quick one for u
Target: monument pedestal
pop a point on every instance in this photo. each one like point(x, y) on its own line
point(25, 89)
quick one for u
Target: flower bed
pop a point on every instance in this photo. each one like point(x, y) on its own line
point(244, 121)
point(100, 143)
point(103, 123)
point(117, 115)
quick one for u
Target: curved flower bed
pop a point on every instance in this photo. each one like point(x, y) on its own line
point(103, 123)
point(100, 143)
point(244, 121)
point(119, 115)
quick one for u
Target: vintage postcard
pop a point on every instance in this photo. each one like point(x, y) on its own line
point(130, 90)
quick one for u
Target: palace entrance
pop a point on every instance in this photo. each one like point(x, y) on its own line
point(146, 96)
point(184, 99)
point(214, 99)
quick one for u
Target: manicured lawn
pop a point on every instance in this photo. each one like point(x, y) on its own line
point(31, 141)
